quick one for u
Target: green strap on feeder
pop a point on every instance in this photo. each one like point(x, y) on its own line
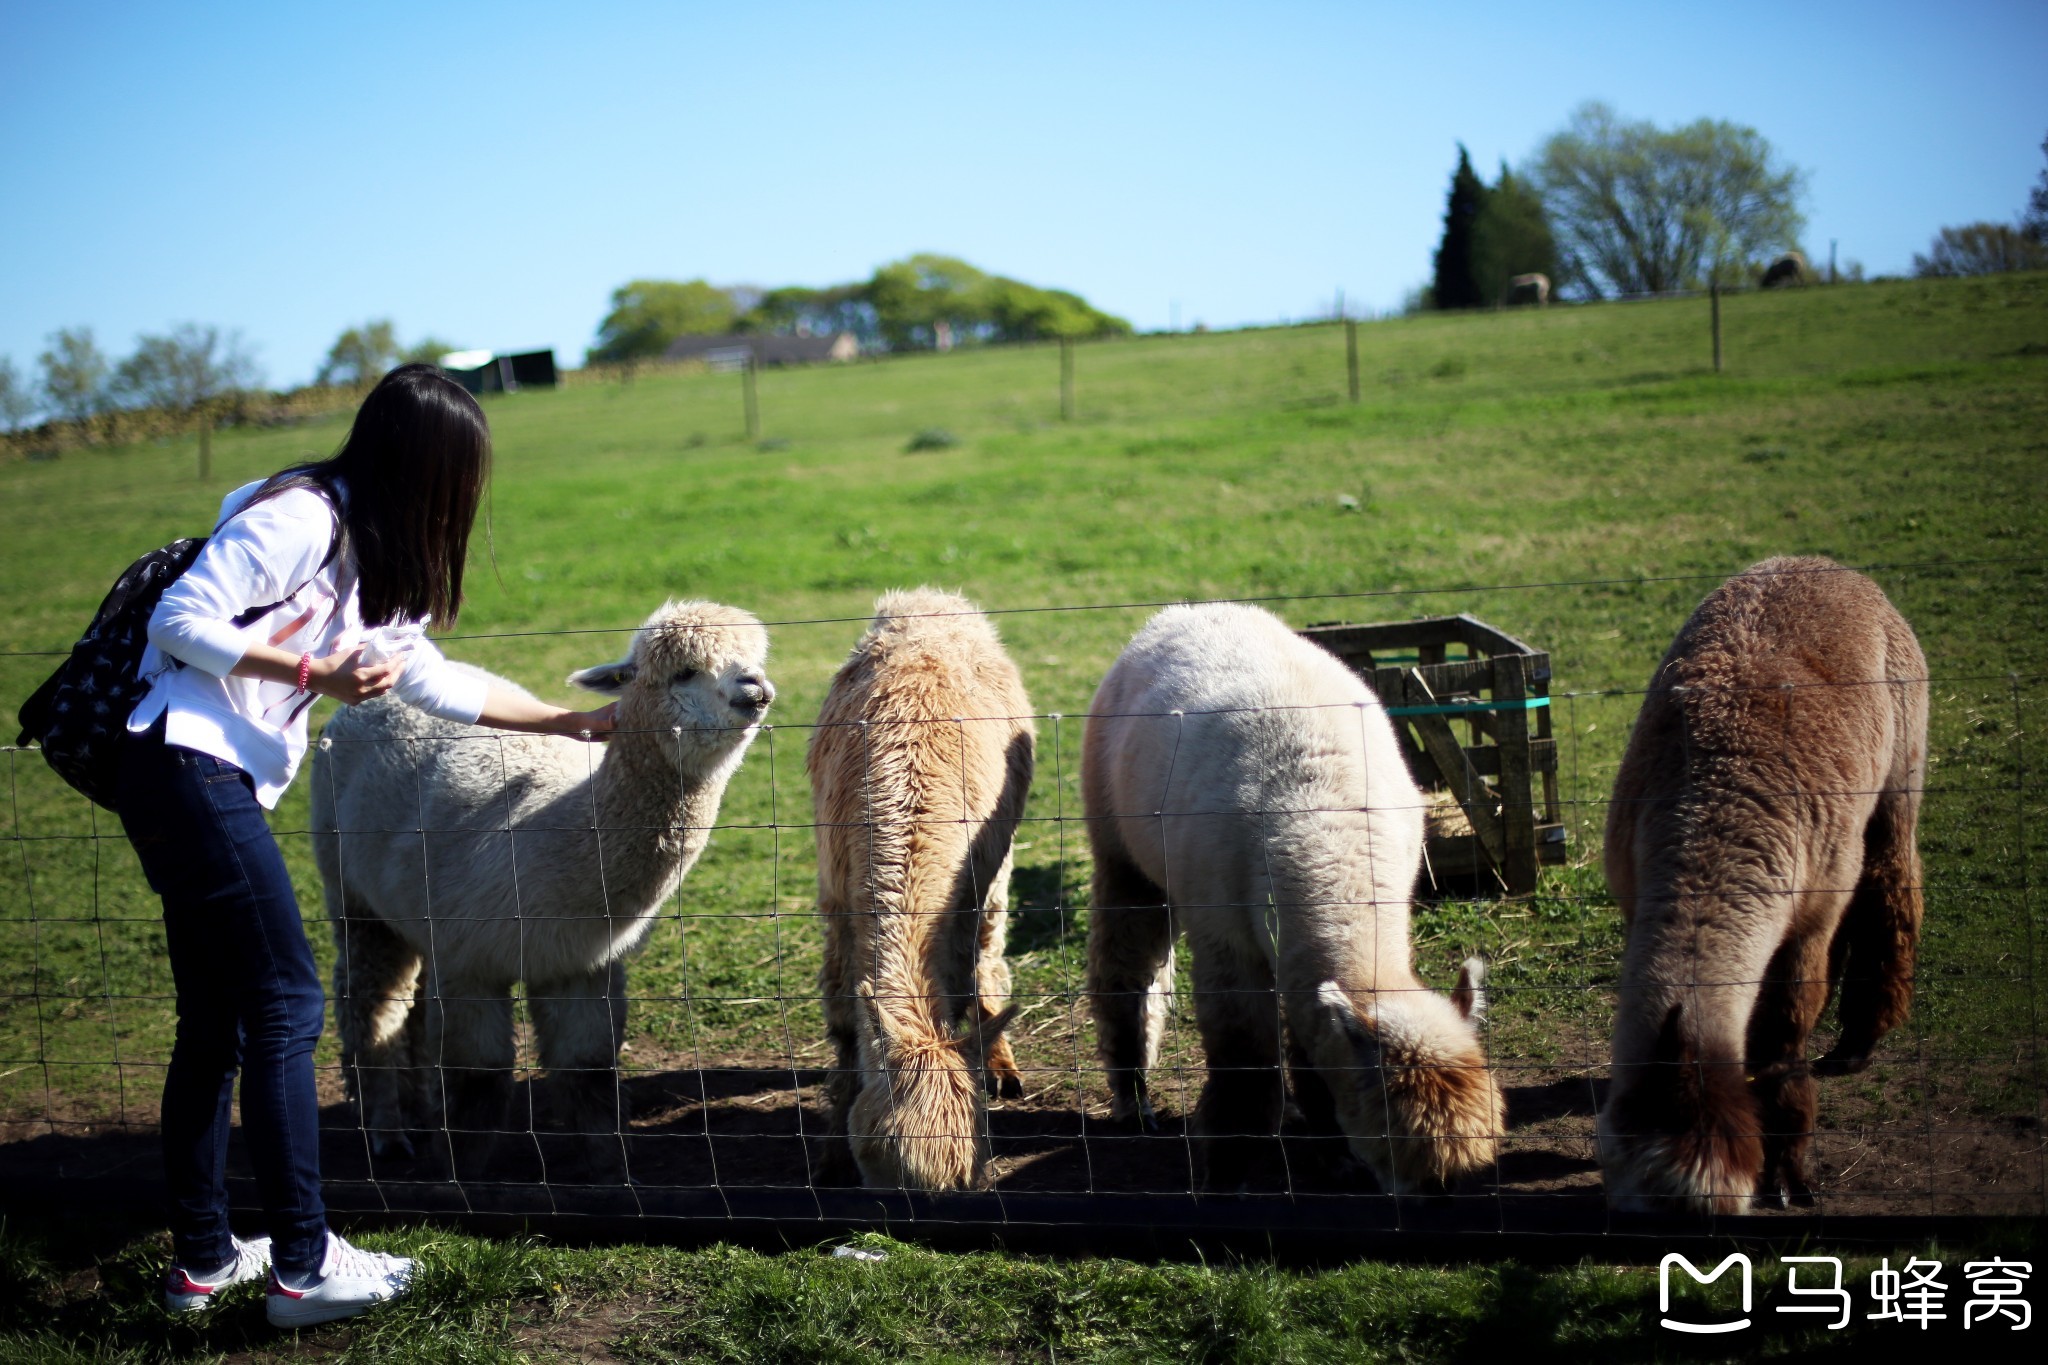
point(1452, 708)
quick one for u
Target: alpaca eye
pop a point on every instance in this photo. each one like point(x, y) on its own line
point(684, 678)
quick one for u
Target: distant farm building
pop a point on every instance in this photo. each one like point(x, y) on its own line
point(501, 372)
point(730, 351)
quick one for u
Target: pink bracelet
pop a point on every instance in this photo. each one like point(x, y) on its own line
point(305, 671)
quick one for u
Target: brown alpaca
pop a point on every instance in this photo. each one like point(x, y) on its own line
point(1761, 847)
point(919, 769)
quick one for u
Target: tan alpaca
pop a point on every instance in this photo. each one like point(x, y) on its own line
point(1761, 847)
point(1245, 788)
point(919, 769)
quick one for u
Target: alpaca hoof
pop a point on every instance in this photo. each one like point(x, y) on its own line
point(1841, 1062)
point(1133, 1115)
point(392, 1147)
point(1773, 1199)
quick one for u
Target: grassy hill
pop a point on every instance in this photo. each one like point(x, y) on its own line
point(1577, 477)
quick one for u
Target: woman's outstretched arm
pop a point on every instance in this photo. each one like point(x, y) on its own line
point(344, 676)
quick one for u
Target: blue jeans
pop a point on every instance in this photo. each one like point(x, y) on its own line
point(249, 997)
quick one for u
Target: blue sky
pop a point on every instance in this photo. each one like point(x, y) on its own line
point(489, 174)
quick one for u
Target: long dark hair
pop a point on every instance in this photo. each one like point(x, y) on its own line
point(415, 466)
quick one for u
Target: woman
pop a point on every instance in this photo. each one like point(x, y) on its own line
point(305, 570)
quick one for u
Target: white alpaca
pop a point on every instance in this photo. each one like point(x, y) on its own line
point(1245, 788)
point(458, 861)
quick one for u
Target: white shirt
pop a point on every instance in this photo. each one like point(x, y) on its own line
point(273, 553)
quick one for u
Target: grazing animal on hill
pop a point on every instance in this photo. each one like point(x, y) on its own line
point(1245, 788)
point(459, 861)
point(1789, 268)
point(1761, 847)
point(1527, 289)
point(919, 769)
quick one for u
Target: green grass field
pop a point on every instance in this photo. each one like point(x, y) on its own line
point(1577, 477)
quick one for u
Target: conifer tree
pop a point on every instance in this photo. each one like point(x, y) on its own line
point(1457, 285)
point(1511, 237)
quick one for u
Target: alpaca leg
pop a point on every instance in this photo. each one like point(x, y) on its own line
point(1794, 992)
point(376, 980)
point(992, 987)
point(1318, 1108)
point(467, 1049)
point(1878, 940)
point(831, 1158)
point(579, 1023)
point(1130, 973)
point(1242, 1098)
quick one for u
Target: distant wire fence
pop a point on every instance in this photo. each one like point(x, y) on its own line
point(697, 1084)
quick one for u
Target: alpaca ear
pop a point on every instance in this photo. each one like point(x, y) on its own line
point(1672, 1047)
point(610, 679)
point(879, 1028)
point(983, 1035)
point(1469, 995)
point(1342, 1017)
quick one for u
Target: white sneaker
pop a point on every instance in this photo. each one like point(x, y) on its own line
point(185, 1292)
point(350, 1281)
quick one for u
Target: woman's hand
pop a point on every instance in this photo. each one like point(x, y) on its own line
point(344, 676)
point(508, 710)
point(595, 726)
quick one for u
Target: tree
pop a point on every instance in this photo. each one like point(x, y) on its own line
point(928, 300)
point(426, 351)
point(1024, 312)
point(1981, 249)
point(17, 404)
point(360, 356)
point(187, 367)
point(1637, 210)
point(1455, 284)
point(74, 374)
point(1511, 237)
point(2034, 218)
point(802, 311)
point(647, 315)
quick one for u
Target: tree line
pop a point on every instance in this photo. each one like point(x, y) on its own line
point(1987, 248)
point(189, 371)
point(923, 302)
point(1610, 207)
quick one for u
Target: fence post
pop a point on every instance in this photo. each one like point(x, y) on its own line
point(1351, 356)
point(1714, 295)
point(753, 399)
point(205, 447)
point(1066, 379)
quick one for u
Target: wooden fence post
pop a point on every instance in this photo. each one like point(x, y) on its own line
point(1714, 294)
point(753, 399)
point(1066, 379)
point(1351, 356)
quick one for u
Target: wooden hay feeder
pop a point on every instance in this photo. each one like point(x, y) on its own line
point(1436, 673)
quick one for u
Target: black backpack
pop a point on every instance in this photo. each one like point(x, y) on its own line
point(81, 711)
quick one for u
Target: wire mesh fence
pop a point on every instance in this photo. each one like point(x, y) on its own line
point(698, 1080)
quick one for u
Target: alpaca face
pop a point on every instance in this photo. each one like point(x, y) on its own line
point(918, 1121)
point(1677, 1133)
point(696, 668)
point(1417, 1101)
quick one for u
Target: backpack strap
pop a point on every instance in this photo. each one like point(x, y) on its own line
point(244, 619)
